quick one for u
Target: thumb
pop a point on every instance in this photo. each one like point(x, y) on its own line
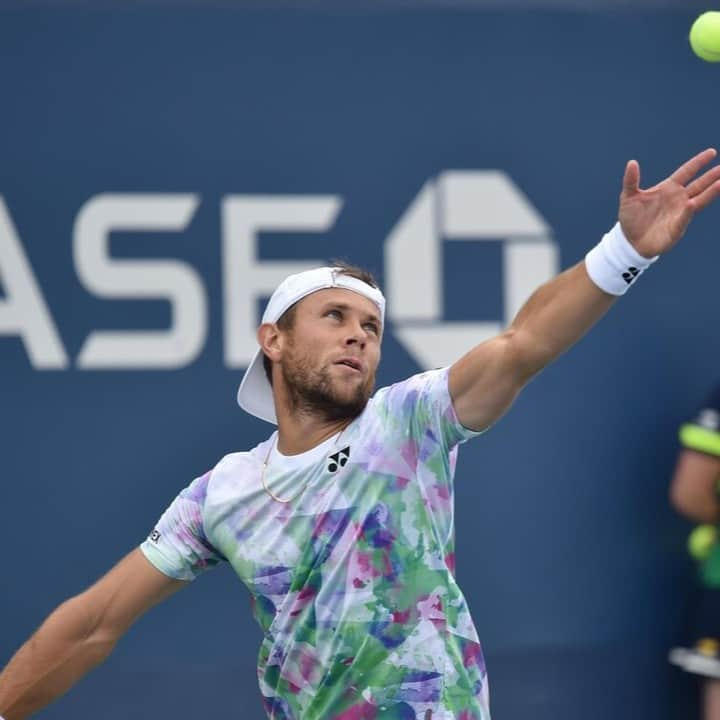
point(631, 181)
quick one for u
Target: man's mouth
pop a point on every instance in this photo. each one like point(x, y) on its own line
point(351, 363)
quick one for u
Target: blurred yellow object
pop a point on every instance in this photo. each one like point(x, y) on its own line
point(708, 646)
point(701, 540)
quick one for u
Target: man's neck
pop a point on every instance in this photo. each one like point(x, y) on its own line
point(299, 433)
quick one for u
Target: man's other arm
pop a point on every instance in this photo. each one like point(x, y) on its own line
point(80, 634)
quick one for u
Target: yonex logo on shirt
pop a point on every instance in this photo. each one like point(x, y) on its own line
point(338, 459)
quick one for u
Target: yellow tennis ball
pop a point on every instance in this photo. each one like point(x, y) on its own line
point(701, 540)
point(705, 36)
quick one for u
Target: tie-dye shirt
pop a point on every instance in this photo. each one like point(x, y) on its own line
point(353, 581)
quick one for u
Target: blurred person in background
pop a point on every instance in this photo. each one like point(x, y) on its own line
point(694, 492)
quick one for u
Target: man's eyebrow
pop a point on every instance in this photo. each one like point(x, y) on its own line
point(345, 306)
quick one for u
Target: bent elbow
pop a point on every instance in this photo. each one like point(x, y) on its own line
point(691, 505)
point(677, 498)
point(528, 354)
point(99, 645)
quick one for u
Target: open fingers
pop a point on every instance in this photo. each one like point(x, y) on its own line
point(706, 197)
point(685, 173)
point(703, 182)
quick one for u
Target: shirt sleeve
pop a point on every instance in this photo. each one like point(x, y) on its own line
point(422, 405)
point(702, 432)
point(178, 546)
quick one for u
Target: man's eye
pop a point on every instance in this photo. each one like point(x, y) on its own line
point(373, 328)
point(335, 313)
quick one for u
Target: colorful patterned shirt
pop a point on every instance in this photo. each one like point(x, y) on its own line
point(353, 581)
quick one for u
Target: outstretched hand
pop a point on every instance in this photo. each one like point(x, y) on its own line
point(653, 220)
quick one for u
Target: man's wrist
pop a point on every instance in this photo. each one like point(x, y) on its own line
point(614, 264)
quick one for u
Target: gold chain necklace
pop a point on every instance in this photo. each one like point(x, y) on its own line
point(277, 498)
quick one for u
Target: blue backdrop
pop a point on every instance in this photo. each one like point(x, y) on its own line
point(571, 560)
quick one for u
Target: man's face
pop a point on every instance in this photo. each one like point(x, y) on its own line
point(331, 353)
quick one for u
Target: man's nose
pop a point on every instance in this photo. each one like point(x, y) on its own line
point(356, 335)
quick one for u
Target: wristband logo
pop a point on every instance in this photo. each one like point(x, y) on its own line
point(467, 205)
point(630, 274)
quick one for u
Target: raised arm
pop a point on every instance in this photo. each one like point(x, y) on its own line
point(485, 381)
point(80, 634)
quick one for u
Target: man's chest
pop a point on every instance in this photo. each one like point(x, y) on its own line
point(354, 518)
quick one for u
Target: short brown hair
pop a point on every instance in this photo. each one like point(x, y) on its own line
point(287, 319)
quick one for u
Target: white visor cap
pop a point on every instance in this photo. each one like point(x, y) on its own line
point(255, 393)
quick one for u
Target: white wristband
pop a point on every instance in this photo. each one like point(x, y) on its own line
point(614, 264)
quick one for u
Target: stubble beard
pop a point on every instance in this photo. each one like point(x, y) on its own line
point(312, 391)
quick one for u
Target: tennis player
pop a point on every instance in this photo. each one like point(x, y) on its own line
point(341, 522)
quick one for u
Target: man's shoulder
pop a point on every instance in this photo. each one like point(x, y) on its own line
point(413, 384)
point(240, 458)
point(238, 464)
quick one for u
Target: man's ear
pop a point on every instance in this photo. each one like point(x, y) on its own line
point(270, 340)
